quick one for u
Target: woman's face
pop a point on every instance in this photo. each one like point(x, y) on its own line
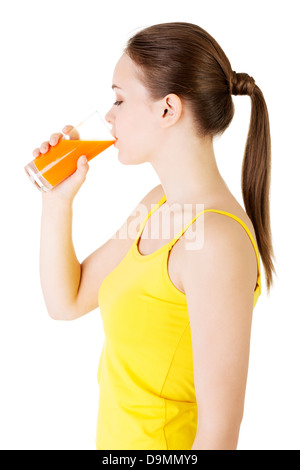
point(134, 116)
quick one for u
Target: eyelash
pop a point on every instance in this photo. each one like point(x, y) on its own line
point(118, 103)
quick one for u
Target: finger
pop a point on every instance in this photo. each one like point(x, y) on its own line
point(80, 174)
point(55, 138)
point(67, 129)
point(36, 152)
point(72, 132)
point(82, 162)
point(44, 147)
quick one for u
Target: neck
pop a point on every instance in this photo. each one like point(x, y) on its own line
point(188, 170)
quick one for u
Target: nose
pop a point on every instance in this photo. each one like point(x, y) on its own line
point(109, 116)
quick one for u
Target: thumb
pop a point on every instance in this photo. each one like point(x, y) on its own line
point(82, 162)
point(82, 168)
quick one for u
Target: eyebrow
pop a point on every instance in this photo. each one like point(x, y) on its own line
point(116, 86)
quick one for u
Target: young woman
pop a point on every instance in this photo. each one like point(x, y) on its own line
point(176, 313)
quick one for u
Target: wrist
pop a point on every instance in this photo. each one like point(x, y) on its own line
point(54, 201)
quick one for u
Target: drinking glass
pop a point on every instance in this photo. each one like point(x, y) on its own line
point(89, 138)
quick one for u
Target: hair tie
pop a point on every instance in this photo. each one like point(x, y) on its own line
point(241, 84)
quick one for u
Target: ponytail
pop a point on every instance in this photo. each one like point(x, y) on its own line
point(256, 169)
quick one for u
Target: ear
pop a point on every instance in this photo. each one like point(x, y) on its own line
point(171, 110)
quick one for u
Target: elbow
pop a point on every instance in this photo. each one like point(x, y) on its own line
point(217, 439)
point(218, 435)
point(63, 316)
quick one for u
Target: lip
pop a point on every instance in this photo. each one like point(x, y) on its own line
point(115, 138)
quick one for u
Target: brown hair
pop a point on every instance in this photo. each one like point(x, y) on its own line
point(184, 59)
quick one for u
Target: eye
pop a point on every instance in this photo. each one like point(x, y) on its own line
point(118, 103)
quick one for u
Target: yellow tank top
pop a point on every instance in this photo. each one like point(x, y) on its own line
point(147, 396)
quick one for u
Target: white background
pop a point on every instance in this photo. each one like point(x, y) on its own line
point(57, 61)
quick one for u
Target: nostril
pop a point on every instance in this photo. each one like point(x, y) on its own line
point(108, 117)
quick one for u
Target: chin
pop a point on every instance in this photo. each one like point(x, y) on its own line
point(122, 159)
point(128, 159)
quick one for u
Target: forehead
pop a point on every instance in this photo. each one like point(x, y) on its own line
point(126, 76)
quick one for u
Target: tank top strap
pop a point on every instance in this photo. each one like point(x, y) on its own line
point(226, 214)
point(160, 202)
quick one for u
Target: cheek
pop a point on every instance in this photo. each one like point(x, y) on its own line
point(137, 134)
point(140, 143)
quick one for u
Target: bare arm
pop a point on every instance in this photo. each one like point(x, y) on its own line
point(60, 269)
point(219, 280)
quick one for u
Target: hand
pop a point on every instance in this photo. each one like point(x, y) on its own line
point(67, 189)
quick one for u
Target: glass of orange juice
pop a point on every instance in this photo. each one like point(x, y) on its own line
point(89, 138)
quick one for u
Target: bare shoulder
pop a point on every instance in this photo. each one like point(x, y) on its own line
point(152, 198)
point(154, 195)
point(142, 209)
point(130, 228)
point(223, 250)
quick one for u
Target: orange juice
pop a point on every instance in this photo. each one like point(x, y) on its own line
point(61, 160)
